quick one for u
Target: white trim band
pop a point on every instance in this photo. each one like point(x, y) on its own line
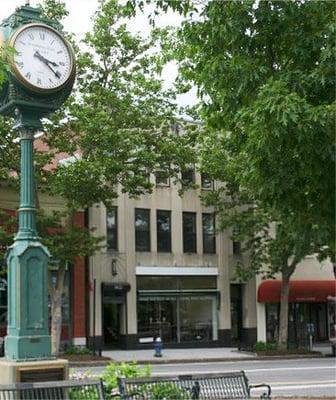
point(180, 271)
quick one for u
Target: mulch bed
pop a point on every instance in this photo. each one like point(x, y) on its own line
point(288, 352)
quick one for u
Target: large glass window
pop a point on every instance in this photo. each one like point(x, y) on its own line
point(197, 316)
point(157, 316)
point(112, 228)
point(209, 236)
point(163, 231)
point(177, 308)
point(142, 229)
point(189, 232)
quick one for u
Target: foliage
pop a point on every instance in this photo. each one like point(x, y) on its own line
point(262, 346)
point(77, 350)
point(128, 370)
point(54, 9)
point(265, 76)
point(120, 118)
point(165, 391)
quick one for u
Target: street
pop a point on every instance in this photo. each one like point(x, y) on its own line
point(300, 377)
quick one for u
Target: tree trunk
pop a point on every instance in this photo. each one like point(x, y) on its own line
point(283, 320)
point(56, 309)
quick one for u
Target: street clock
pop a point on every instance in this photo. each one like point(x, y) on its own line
point(42, 69)
point(44, 61)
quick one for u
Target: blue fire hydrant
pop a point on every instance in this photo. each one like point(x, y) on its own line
point(158, 347)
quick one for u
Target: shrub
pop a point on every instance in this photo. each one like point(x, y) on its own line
point(77, 350)
point(166, 391)
point(128, 370)
point(262, 346)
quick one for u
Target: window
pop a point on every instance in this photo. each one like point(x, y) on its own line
point(162, 178)
point(236, 244)
point(163, 231)
point(189, 232)
point(142, 229)
point(236, 247)
point(209, 236)
point(207, 183)
point(188, 176)
point(112, 228)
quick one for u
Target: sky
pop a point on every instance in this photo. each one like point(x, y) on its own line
point(79, 21)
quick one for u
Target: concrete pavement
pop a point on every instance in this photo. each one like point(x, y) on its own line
point(197, 354)
point(178, 355)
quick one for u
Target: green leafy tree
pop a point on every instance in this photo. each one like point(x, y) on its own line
point(113, 131)
point(120, 118)
point(265, 74)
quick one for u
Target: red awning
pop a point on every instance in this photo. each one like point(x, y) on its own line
point(299, 291)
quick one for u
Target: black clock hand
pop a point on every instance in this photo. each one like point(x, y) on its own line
point(46, 62)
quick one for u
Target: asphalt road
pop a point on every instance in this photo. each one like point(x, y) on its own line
point(300, 377)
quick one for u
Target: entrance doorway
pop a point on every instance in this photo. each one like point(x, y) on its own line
point(114, 325)
point(111, 324)
point(236, 313)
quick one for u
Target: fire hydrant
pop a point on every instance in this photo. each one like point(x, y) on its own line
point(158, 347)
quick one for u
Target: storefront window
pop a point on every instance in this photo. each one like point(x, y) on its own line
point(169, 307)
point(158, 317)
point(272, 324)
point(197, 318)
point(299, 316)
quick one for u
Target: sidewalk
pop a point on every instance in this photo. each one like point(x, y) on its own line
point(178, 355)
point(198, 355)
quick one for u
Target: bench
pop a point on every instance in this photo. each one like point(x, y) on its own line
point(55, 390)
point(230, 385)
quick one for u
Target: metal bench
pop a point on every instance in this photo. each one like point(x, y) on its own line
point(55, 390)
point(230, 385)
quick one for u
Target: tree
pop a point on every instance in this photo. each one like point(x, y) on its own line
point(266, 80)
point(114, 130)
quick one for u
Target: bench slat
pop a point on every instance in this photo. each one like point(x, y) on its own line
point(232, 385)
point(55, 390)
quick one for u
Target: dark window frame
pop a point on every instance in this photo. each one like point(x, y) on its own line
point(189, 238)
point(112, 246)
point(163, 236)
point(162, 181)
point(141, 234)
point(188, 180)
point(206, 182)
point(209, 239)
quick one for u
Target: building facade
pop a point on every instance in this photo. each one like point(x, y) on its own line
point(165, 273)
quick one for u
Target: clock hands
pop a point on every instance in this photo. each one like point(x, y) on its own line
point(48, 63)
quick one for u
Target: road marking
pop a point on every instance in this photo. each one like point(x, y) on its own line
point(300, 387)
point(303, 383)
point(288, 369)
point(196, 370)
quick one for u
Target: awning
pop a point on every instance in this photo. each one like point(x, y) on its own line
point(299, 291)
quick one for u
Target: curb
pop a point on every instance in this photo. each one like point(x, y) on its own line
point(193, 361)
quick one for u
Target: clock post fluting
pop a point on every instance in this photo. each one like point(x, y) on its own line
point(41, 78)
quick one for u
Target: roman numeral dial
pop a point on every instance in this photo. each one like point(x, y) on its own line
point(44, 61)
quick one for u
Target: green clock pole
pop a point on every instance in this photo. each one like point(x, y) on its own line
point(28, 343)
point(28, 324)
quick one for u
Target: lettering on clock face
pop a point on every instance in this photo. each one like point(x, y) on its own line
point(42, 57)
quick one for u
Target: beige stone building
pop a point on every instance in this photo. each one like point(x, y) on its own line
point(165, 273)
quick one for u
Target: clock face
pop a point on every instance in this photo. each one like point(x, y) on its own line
point(44, 61)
